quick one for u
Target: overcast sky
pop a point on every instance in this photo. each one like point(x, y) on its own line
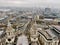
point(31, 3)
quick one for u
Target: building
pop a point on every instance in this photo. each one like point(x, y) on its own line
point(10, 34)
point(46, 37)
point(34, 35)
point(56, 30)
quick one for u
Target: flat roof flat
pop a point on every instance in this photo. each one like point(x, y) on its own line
point(57, 27)
point(48, 34)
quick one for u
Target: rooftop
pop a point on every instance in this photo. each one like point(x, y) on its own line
point(57, 28)
point(48, 35)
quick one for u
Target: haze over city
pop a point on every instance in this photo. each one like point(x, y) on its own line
point(31, 3)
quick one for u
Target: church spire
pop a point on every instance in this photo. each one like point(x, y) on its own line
point(9, 24)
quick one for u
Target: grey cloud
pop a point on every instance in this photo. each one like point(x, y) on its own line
point(29, 3)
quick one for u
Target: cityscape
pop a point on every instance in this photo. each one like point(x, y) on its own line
point(29, 26)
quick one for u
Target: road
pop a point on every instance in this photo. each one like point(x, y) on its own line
point(22, 40)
